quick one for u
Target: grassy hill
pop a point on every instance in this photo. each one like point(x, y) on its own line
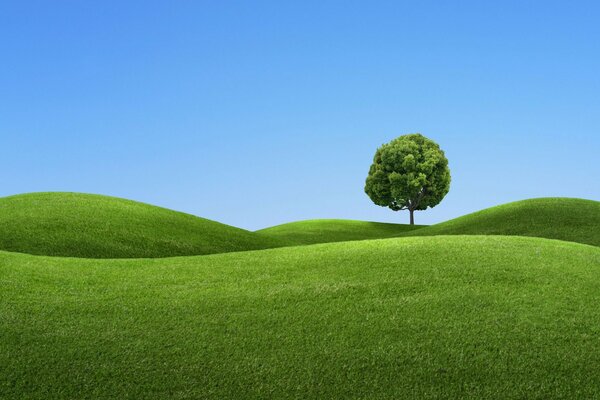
point(574, 220)
point(93, 226)
point(423, 317)
point(84, 225)
point(333, 230)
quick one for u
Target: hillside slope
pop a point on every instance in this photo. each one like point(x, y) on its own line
point(85, 225)
point(439, 317)
point(574, 220)
point(333, 230)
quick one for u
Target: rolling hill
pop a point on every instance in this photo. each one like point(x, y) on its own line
point(421, 317)
point(94, 226)
point(574, 220)
point(333, 230)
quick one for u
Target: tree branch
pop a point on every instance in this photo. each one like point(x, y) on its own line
point(419, 198)
point(394, 206)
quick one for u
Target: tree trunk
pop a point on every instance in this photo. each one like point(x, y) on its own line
point(412, 217)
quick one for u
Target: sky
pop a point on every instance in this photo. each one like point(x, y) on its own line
point(257, 113)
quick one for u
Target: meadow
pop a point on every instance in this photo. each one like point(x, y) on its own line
point(109, 298)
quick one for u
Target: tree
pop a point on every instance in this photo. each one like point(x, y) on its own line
point(409, 173)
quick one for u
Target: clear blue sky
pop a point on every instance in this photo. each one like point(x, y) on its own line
point(257, 113)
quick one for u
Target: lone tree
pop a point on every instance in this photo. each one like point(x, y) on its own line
point(409, 173)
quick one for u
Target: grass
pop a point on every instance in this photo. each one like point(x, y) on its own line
point(574, 220)
point(469, 317)
point(333, 230)
point(93, 226)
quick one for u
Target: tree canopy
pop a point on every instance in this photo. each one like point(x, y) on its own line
point(409, 173)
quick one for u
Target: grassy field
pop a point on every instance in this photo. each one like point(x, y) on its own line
point(333, 230)
point(440, 315)
point(425, 317)
point(84, 225)
point(574, 220)
point(93, 226)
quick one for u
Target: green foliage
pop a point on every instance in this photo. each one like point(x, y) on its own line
point(409, 173)
point(452, 317)
point(575, 220)
point(333, 230)
point(84, 225)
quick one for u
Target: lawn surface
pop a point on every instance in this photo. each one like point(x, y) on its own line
point(469, 317)
point(333, 230)
point(93, 226)
point(574, 220)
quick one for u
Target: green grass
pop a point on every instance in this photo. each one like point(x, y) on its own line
point(333, 230)
point(93, 226)
point(471, 317)
point(574, 220)
point(84, 225)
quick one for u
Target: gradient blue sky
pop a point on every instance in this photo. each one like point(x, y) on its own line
point(257, 113)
